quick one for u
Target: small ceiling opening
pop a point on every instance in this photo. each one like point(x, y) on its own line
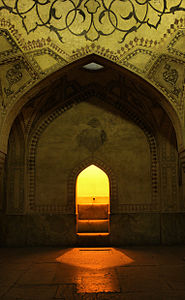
point(93, 66)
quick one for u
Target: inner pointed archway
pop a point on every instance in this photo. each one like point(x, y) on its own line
point(92, 201)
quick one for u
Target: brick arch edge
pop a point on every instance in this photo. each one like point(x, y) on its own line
point(71, 185)
point(115, 206)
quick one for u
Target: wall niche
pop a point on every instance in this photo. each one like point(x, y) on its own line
point(92, 130)
point(57, 135)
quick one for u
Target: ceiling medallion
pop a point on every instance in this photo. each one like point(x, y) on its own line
point(92, 18)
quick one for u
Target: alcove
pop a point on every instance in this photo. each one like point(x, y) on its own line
point(92, 202)
point(104, 121)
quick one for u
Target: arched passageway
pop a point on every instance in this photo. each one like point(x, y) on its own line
point(131, 80)
point(113, 122)
point(92, 201)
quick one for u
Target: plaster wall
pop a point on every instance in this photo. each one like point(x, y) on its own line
point(37, 50)
point(126, 229)
point(89, 130)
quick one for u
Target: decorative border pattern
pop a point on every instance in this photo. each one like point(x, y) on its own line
point(152, 71)
point(178, 23)
point(59, 61)
point(171, 49)
point(94, 48)
point(69, 209)
point(47, 42)
point(31, 44)
point(108, 53)
point(42, 43)
point(169, 168)
point(125, 61)
point(31, 72)
point(154, 206)
point(15, 48)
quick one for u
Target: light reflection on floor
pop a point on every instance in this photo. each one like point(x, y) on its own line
point(95, 268)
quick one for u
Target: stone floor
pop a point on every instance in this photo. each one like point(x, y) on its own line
point(135, 273)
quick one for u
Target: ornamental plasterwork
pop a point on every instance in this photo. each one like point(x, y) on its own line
point(15, 76)
point(57, 32)
point(39, 57)
point(168, 74)
point(139, 60)
point(176, 46)
point(91, 19)
point(73, 23)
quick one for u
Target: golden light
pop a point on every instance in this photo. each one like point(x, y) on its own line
point(92, 186)
point(98, 258)
point(92, 202)
point(93, 269)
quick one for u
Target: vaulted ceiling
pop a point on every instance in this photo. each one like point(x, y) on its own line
point(39, 37)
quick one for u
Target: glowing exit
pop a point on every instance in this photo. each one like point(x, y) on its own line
point(92, 186)
point(92, 202)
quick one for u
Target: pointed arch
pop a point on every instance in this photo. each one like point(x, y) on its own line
point(33, 142)
point(92, 186)
point(80, 168)
point(56, 77)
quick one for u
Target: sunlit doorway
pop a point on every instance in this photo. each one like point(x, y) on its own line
point(92, 202)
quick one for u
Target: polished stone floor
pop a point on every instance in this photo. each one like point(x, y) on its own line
point(133, 273)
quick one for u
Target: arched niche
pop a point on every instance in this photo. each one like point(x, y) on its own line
point(92, 197)
point(55, 79)
point(72, 180)
point(58, 126)
point(92, 186)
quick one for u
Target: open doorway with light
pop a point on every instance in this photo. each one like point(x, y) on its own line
point(92, 202)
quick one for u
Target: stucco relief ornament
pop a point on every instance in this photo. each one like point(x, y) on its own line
point(171, 76)
point(91, 19)
point(13, 75)
point(93, 136)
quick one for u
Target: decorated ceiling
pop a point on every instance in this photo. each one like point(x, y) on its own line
point(38, 37)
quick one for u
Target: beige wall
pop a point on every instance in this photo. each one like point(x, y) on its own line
point(71, 139)
point(54, 139)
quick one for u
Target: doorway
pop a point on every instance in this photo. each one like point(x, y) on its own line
point(92, 202)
